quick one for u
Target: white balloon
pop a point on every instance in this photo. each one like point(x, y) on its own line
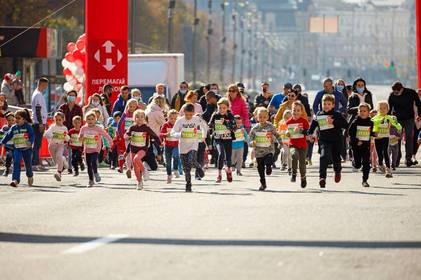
point(65, 63)
point(73, 68)
point(72, 82)
point(69, 77)
point(67, 87)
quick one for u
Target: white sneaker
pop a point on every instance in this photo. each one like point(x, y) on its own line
point(169, 178)
point(146, 176)
point(139, 186)
point(147, 167)
point(176, 174)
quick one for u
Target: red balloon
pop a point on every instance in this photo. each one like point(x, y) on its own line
point(80, 44)
point(76, 55)
point(71, 47)
point(82, 38)
point(66, 71)
point(69, 57)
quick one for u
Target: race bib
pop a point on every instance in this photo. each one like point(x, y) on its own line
point(138, 139)
point(170, 138)
point(91, 141)
point(393, 140)
point(263, 139)
point(58, 137)
point(239, 134)
point(384, 131)
point(221, 129)
point(363, 133)
point(128, 123)
point(292, 133)
point(74, 140)
point(189, 135)
point(21, 140)
point(323, 124)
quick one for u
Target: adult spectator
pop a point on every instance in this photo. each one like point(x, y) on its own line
point(121, 102)
point(191, 98)
point(401, 103)
point(340, 102)
point(278, 98)
point(287, 105)
point(70, 109)
point(360, 94)
point(7, 89)
point(215, 88)
point(300, 97)
point(39, 120)
point(178, 100)
point(202, 91)
point(211, 105)
point(155, 113)
point(95, 102)
point(238, 105)
point(264, 98)
point(18, 88)
point(3, 105)
point(107, 91)
point(340, 87)
point(159, 91)
point(417, 129)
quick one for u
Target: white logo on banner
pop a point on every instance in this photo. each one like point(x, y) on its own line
point(108, 55)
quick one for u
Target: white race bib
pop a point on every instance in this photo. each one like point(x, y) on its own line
point(91, 141)
point(384, 131)
point(189, 135)
point(292, 133)
point(363, 133)
point(263, 139)
point(323, 124)
point(138, 139)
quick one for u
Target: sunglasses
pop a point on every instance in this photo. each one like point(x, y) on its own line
point(232, 90)
point(292, 95)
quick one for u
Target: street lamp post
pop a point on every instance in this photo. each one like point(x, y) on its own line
point(171, 7)
point(195, 24)
point(234, 35)
point(208, 38)
point(132, 25)
point(223, 42)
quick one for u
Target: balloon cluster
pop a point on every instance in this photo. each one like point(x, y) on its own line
point(74, 66)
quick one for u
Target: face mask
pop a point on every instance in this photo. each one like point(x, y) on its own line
point(136, 97)
point(95, 103)
point(71, 98)
point(183, 91)
point(360, 89)
point(340, 88)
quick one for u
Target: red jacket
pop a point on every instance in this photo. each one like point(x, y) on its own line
point(303, 124)
point(168, 142)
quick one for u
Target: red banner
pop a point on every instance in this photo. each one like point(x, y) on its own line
point(106, 27)
point(418, 36)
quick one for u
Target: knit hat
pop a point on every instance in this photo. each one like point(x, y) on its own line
point(18, 73)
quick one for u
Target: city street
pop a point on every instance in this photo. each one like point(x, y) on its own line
point(227, 231)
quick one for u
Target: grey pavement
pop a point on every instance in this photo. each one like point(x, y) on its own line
point(226, 231)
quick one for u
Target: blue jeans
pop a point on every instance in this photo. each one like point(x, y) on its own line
point(171, 159)
point(18, 154)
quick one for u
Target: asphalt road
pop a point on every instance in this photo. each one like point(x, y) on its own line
point(227, 231)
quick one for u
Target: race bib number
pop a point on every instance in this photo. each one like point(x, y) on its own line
point(170, 138)
point(189, 135)
point(74, 140)
point(292, 133)
point(221, 129)
point(393, 140)
point(363, 133)
point(239, 134)
point(58, 137)
point(384, 131)
point(138, 139)
point(128, 123)
point(323, 124)
point(263, 139)
point(91, 141)
point(21, 140)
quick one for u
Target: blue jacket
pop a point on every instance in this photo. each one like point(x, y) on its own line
point(120, 104)
point(26, 129)
point(339, 100)
point(277, 100)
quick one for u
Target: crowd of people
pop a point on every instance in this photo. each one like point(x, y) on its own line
point(204, 127)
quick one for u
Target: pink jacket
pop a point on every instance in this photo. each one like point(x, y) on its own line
point(156, 117)
point(239, 107)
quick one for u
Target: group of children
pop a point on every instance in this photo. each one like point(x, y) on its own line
point(129, 137)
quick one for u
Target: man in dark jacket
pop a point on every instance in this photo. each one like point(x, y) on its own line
point(178, 100)
point(360, 93)
point(107, 91)
point(401, 104)
point(123, 97)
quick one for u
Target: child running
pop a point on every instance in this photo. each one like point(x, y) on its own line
point(285, 150)
point(360, 133)
point(189, 130)
point(241, 137)
point(262, 137)
point(395, 137)
point(22, 135)
point(91, 137)
point(10, 118)
point(57, 136)
point(112, 131)
point(76, 145)
point(382, 123)
point(222, 124)
point(297, 131)
point(330, 124)
point(139, 136)
point(170, 146)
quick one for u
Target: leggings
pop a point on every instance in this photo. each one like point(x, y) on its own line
point(91, 162)
point(262, 163)
point(137, 163)
point(224, 148)
point(189, 160)
point(361, 157)
point(382, 148)
point(56, 151)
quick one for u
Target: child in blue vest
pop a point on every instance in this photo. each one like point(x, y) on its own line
point(10, 117)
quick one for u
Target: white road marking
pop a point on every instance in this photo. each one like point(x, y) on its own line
point(93, 244)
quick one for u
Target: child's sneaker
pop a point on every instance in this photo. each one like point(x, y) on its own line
point(129, 173)
point(337, 177)
point(200, 172)
point(374, 170)
point(6, 172)
point(14, 184)
point(322, 183)
point(382, 169)
point(169, 179)
point(239, 173)
point(269, 170)
point(146, 176)
point(97, 177)
point(188, 187)
point(90, 184)
point(262, 188)
point(303, 182)
point(30, 181)
point(120, 169)
point(229, 175)
point(76, 173)
point(139, 186)
point(176, 174)
point(289, 171)
point(293, 178)
point(57, 176)
point(365, 184)
point(251, 164)
point(388, 173)
point(82, 166)
point(69, 171)
point(284, 167)
point(218, 179)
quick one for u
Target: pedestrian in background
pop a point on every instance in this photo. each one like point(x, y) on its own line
point(18, 88)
